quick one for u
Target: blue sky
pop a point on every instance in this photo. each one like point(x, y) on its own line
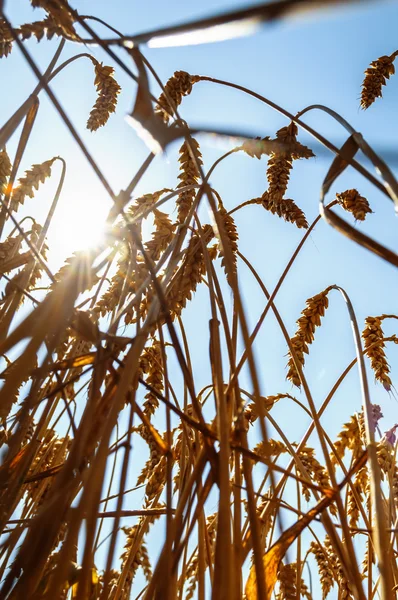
point(319, 60)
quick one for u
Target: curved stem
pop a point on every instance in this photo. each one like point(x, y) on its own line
point(382, 543)
point(276, 289)
point(331, 112)
point(356, 165)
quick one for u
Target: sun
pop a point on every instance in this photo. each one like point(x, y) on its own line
point(77, 225)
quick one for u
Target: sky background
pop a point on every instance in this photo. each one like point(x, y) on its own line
point(317, 60)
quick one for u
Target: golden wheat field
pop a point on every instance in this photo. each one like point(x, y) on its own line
point(166, 431)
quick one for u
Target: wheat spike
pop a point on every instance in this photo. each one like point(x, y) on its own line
point(316, 472)
point(189, 274)
point(310, 319)
point(270, 447)
point(287, 209)
point(348, 439)
point(77, 263)
point(352, 202)
point(326, 574)
point(5, 39)
point(278, 173)
point(12, 367)
point(62, 15)
point(255, 148)
point(361, 486)
point(231, 234)
point(110, 299)
point(287, 582)
point(10, 247)
point(162, 236)
point(5, 170)
point(52, 452)
point(108, 90)
point(386, 454)
point(178, 86)
point(251, 410)
point(156, 481)
point(344, 586)
point(131, 535)
point(154, 454)
point(39, 29)
point(151, 365)
point(376, 76)
point(19, 280)
point(30, 182)
point(374, 347)
point(189, 175)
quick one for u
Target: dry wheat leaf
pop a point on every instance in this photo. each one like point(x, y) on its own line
point(381, 167)
point(94, 586)
point(9, 467)
point(149, 125)
point(15, 262)
point(226, 25)
point(339, 164)
point(71, 363)
point(83, 325)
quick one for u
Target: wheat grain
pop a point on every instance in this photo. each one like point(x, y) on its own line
point(178, 86)
point(354, 203)
point(108, 90)
point(376, 76)
point(310, 319)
